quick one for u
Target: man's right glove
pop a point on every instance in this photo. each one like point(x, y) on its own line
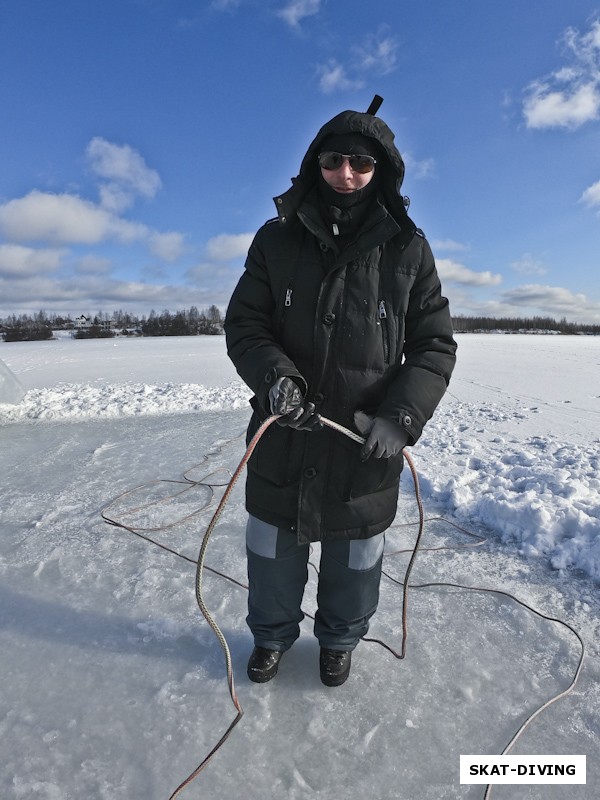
point(384, 438)
point(285, 399)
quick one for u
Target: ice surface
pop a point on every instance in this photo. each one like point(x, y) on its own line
point(113, 684)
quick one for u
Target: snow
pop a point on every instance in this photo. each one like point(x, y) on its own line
point(113, 685)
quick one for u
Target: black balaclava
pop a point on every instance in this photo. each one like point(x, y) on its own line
point(344, 213)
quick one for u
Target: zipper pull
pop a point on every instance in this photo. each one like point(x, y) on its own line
point(382, 311)
point(288, 297)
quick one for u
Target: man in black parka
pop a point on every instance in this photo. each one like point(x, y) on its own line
point(339, 313)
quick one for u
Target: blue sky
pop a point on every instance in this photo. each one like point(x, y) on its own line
point(142, 141)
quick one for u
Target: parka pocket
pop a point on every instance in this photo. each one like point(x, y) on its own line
point(375, 475)
point(278, 455)
point(367, 477)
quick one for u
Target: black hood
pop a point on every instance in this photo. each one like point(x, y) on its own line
point(365, 124)
point(390, 166)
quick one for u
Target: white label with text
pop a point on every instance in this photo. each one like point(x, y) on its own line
point(522, 769)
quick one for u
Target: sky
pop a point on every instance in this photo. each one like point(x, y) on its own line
point(142, 142)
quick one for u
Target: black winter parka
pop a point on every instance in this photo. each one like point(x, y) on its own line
point(362, 328)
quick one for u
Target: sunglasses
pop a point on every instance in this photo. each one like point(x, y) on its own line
point(362, 164)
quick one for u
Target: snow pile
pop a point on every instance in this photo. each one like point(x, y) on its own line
point(80, 401)
point(539, 492)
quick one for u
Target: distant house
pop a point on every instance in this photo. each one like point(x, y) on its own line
point(82, 323)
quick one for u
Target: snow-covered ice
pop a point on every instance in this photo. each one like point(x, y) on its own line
point(112, 682)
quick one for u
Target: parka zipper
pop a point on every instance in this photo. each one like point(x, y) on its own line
point(384, 330)
point(287, 297)
point(287, 302)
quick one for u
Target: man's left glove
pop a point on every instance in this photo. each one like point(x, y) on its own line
point(384, 438)
point(285, 399)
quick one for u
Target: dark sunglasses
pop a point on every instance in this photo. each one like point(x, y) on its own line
point(362, 164)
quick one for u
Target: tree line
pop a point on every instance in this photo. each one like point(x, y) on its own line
point(41, 326)
point(183, 323)
point(192, 322)
point(463, 324)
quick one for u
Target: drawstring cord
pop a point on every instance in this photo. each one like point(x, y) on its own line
point(200, 567)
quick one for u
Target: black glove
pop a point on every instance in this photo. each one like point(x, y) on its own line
point(285, 399)
point(384, 438)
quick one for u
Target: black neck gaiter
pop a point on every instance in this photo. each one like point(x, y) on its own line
point(344, 214)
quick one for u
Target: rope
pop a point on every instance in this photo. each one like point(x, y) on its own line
point(207, 615)
point(201, 566)
point(351, 435)
point(529, 719)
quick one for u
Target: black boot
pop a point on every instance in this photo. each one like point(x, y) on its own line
point(334, 666)
point(263, 664)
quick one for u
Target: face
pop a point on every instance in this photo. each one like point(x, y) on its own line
point(344, 180)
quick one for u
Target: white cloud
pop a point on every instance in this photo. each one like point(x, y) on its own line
point(125, 171)
point(562, 109)
point(104, 292)
point(296, 10)
point(448, 246)
point(333, 77)
point(526, 301)
point(63, 219)
point(69, 219)
point(206, 275)
point(418, 169)
point(91, 264)
point(452, 271)
point(17, 261)
point(223, 266)
point(570, 96)
point(375, 56)
point(553, 300)
point(591, 196)
point(115, 198)
point(227, 247)
point(90, 293)
point(58, 220)
point(528, 265)
point(167, 246)
point(54, 221)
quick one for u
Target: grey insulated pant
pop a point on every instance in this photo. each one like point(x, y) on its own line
point(347, 595)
